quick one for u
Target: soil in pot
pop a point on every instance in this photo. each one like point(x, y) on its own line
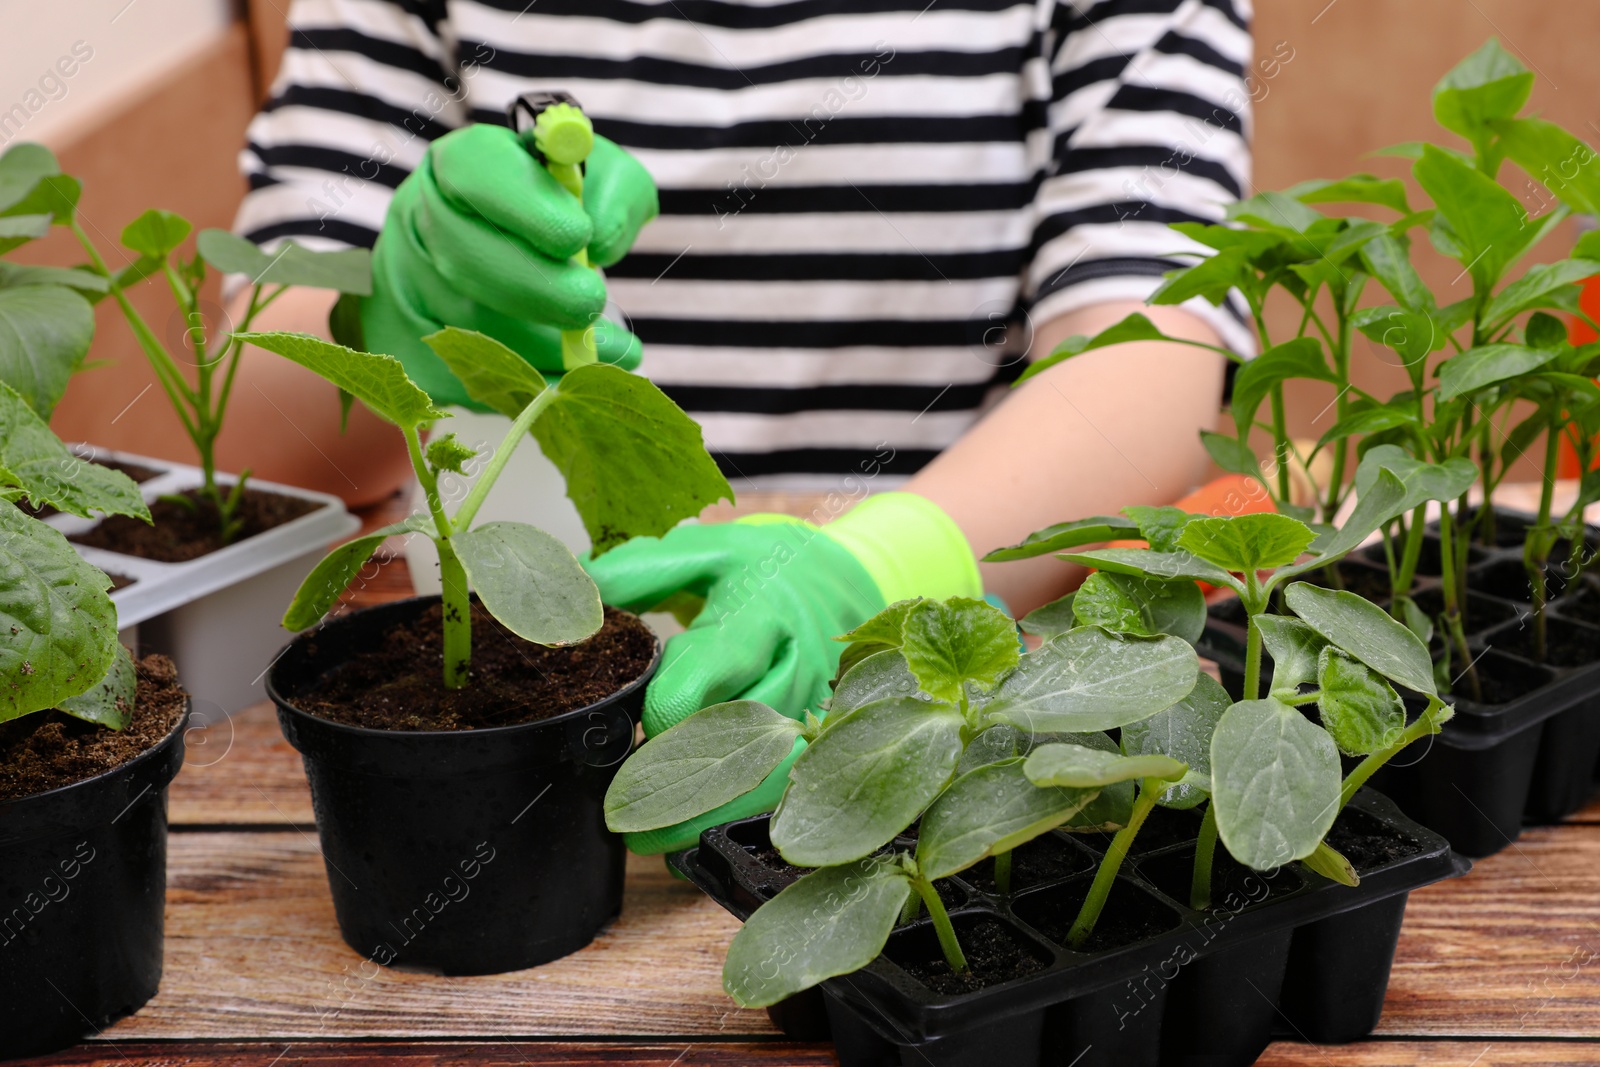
point(1044, 859)
point(1130, 914)
point(1368, 843)
point(994, 955)
point(52, 749)
point(398, 684)
point(1567, 644)
point(182, 532)
point(1502, 678)
point(1234, 886)
point(1368, 582)
point(1163, 827)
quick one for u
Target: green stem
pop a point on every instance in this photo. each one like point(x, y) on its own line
point(1149, 792)
point(502, 455)
point(1452, 602)
point(1002, 872)
point(1537, 551)
point(1427, 723)
point(456, 598)
point(1411, 554)
point(1252, 660)
point(1205, 850)
point(941, 924)
point(1280, 441)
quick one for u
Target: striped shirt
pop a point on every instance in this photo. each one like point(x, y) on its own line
point(865, 204)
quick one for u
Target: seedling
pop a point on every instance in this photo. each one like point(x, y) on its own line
point(35, 195)
point(634, 464)
point(1469, 360)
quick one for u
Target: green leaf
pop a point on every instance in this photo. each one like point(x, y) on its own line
point(1486, 365)
point(1094, 530)
point(1412, 334)
point(492, 374)
point(886, 628)
point(1079, 767)
point(998, 742)
point(1183, 733)
point(1485, 225)
point(84, 281)
point(1231, 454)
point(1374, 419)
point(1326, 861)
point(1139, 605)
point(1170, 566)
point(21, 168)
point(1386, 259)
point(1356, 189)
point(530, 582)
point(377, 381)
point(1048, 620)
point(716, 755)
point(1299, 358)
point(1415, 618)
point(33, 459)
point(1160, 527)
point(1088, 679)
point(1135, 327)
point(445, 453)
point(1366, 632)
point(948, 643)
point(329, 579)
point(1275, 210)
point(1212, 278)
point(45, 331)
point(1487, 85)
point(990, 810)
point(18, 230)
point(1361, 712)
point(876, 677)
point(829, 922)
point(1294, 648)
point(109, 702)
point(865, 779)
point(1544, 330)
point(1535, 288)
point(1275, 783)
point(58, 628)
point(1553, 157)
point(1423, 481)
point(55, 195)
point(635, 464)
point(348, 270)
point(1247, 543)
point(156, 233)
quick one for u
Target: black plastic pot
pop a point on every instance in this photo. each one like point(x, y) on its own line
point(83, 886)
point(1288, 949)
point(1531, 753)
point(468, 851)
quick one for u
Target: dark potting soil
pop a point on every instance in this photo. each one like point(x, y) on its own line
point(1129, 915)
point(1368, 582)
point(1566, 644)
point(180, 533)
point(399, 685)
point(1582, 604)
point(993, 955)
point(1367, 843)
point(119, 581)
point(1044, 859)
point(1234, 886)
point(1161, 828)
point(51, 749)
point(1502, 680)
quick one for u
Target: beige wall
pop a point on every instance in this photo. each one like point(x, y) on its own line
point(1359, 79)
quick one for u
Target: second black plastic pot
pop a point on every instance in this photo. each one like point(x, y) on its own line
point(467, 851)
point(83, 889)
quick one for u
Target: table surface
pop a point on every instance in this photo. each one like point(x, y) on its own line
point(1498, 967)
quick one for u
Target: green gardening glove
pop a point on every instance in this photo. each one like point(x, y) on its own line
point(777, 592)
point(480, 236)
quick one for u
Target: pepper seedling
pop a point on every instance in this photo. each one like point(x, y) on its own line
point(634, 463)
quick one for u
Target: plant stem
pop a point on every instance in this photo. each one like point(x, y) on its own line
point(941, 924)
point(1002, 872)
point(1205, 850)
point(1411, 554)
point(456, 598)
point(1149, 792)
point(1280, 440)
point(1536, 549)
point(1252, 660)
point(1452, 604)
point(502, 455)
point(1427, 723)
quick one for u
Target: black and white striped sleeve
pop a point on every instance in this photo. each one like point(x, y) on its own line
point(1148, 122)
point(364, 86)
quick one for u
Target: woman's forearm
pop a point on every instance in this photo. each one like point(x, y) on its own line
point(1114, 427)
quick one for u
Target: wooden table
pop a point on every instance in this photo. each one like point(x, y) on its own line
point(1501, 967)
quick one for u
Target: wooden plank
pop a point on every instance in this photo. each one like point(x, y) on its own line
point(240, 770)
point(252, 952)
point(1468, 1052)
point(442, 1054)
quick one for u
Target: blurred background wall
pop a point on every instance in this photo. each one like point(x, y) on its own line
point(156, 116)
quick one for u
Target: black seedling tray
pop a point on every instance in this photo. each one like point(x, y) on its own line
point(1165, 985)
point(1528, 750)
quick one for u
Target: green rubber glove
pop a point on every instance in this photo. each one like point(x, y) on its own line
point(480, 236)
point(777, 592)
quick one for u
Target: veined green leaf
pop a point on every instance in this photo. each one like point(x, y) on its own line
point(1356, 189)
point(1294, 648)
point(634, 463)
point(948, 643)
point(885, 628)
point(1383, 499)
point(18, 230)
point(1135, 327)
point(865, 779)
point(829, 922)
point(1486, 224)
point(492, 374)
point(1361, 712)
point(84, 281)
point(1088, 679)
point(1275, 783)
point(45, 332)
point(1140, 605)
point(1076, 766)
point(1159, 526)
point(1275, 210)
point(1486, 365)
point(1369, 420)
point(1535, 288)
point(877, 677)
point(530, 582)
point(332, 576)
point(1211, 278)
point(1386, 259)
point(1366, 632)
point(33, 459)
point(21, 168)
point(347, 270)
point(1170, 566)
point(109, 702)
point(1247, 543)
point(156, 233)
point(377, 381)
point(987, 811)
point(1300, 358)
point(1487, 85)
point(54, 194)
point(1551, 156)
point(1413, 335)
point(1050, 619)
point(1183, 732)
point(1063, 535)
point(1231, 454)
point(715, 755)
